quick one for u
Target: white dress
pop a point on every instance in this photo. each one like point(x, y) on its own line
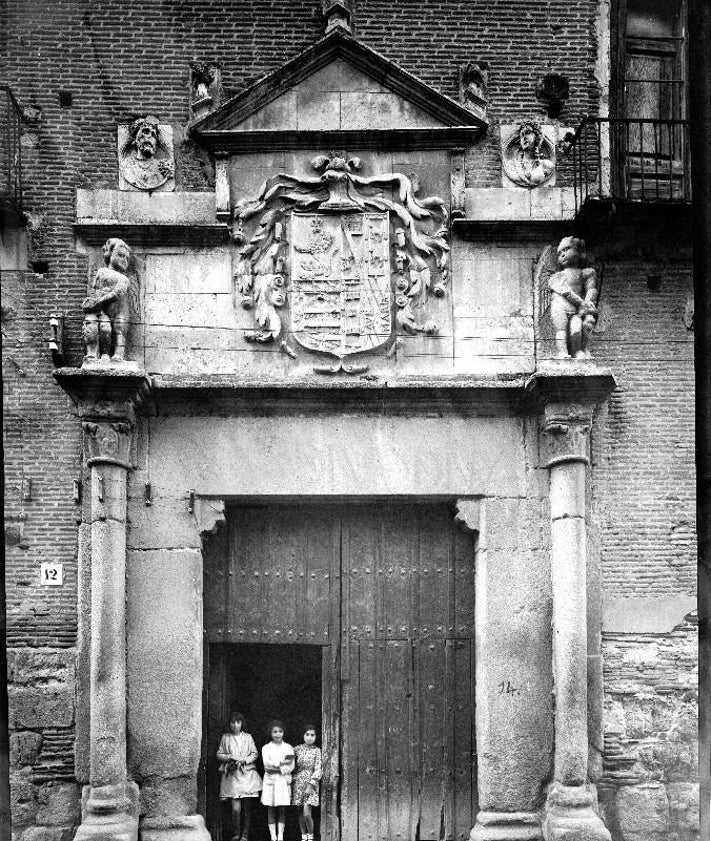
point(242, 782)
point(277, 784)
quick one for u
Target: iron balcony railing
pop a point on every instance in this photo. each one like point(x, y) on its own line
point(641, 160)
point(11, 119)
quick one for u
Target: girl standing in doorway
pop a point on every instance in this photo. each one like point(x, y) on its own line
point(307, 776)
point(278, 758)
point(240, 781)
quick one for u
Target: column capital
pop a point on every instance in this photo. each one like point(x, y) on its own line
point(107, 442)
point(565, 433)
point(567, 395)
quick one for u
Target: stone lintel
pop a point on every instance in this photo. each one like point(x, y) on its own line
point(421, 396)
point(106, 393)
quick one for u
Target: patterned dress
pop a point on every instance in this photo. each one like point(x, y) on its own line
point(277, 784)
point(244, 782)
point(308, 770)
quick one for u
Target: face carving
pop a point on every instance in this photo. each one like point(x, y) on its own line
point(146, 139)
point(527, 136)
point(119, 257)
point(568, 252)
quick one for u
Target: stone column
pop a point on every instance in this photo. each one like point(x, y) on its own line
point(565, 440)
point(513, 720)
point(110, 807)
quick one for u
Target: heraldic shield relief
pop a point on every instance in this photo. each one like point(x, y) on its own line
point(340, 296)
point(353, 265)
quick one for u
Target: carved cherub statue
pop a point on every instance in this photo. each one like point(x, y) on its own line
point(574, 294)
point(107, 310)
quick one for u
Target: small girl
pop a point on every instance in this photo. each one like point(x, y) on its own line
point(306, 779)
point(278, 758)
point(240, 781)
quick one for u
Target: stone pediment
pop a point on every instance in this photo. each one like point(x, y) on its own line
point(339, 93)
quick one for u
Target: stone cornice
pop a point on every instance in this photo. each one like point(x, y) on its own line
point(403, 139)
point(111, 393)
point(570, 382)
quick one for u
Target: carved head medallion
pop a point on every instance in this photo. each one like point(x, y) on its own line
point(146, 155)
point(528, 155)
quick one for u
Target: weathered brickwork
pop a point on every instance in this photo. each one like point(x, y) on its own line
point(645, 493)
point(123, 59)
point(647, 456)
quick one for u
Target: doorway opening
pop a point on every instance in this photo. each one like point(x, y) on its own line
point(263, 682)
point(362, 622)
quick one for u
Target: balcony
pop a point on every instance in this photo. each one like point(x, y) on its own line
point(11, 119)
point(641, 161)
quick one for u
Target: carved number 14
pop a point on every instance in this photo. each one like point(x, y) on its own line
point(505, 688)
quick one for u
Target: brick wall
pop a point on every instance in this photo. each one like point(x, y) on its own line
point(646, 474)
point(122, 59)
point(644, 489)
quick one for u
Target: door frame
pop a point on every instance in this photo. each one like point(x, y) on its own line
point(335, 675)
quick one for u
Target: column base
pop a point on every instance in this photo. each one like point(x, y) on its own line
point(109, 813)
point(174, 828)
point(506, 826)
point(108, 828)
point(569, 815)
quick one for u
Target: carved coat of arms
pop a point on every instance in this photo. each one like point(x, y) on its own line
point(353, 264)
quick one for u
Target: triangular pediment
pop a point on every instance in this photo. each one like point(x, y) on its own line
point(342, 91)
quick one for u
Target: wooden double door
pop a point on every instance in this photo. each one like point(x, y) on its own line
point(367, 613)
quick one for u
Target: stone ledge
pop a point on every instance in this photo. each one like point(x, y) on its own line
point(509, 204)
point(121, 207)
point(571, 380)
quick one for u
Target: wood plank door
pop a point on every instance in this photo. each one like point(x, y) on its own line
point(387, 593)
point(407, 730)
point(271, 616)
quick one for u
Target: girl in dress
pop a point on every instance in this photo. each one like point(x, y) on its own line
point(278, 758)
point(240, 781)
point(304, 790)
